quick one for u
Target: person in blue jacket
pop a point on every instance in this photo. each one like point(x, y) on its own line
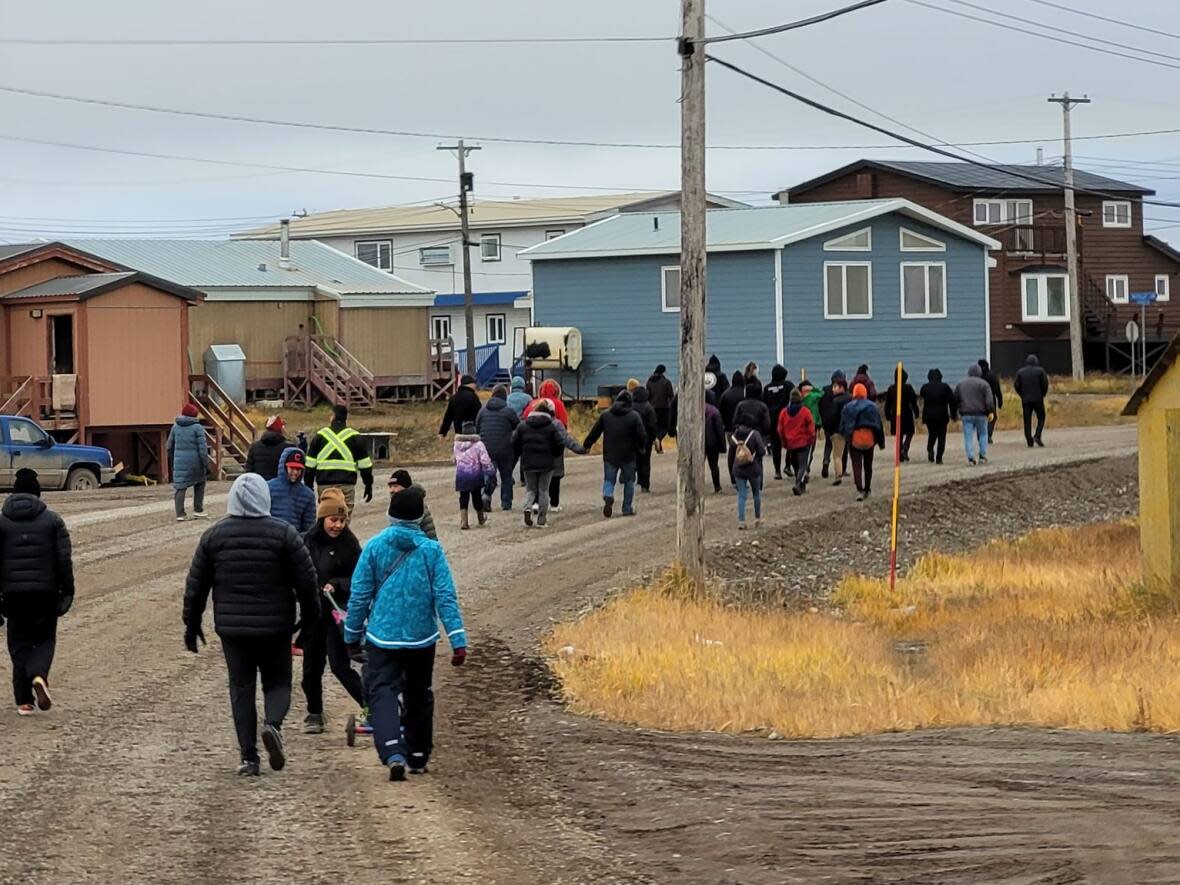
point(401, 589)
point(519, 398)
point(290, 500)
point(188, 460)
point(860, 425)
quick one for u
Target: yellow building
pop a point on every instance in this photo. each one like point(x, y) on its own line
point(1156, 405)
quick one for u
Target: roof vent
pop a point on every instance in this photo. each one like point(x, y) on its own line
point(262, 265)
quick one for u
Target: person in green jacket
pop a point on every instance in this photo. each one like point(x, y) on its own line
point(811, 397)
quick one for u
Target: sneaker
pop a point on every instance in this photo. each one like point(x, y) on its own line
point(556, 508)
point(982, 459)
point(823, 472)
point(487, 503)
point(628, 513)
point(741, 526)
point(314, 723)
point(363, 725)
point(181, 518)
point(938, 461)
point(758, 522)
point(419, 769)
point(296, 651)
point(608, 507)
point(397, 768)
point(200, 514)
point(249, 768)
point(1029, 442)
point(971, 461)
point(26, 710)
point(41, 690)
point(528, 517)
point(273, 741)
point(930, 457)
point(838, 481)
point(860, 496)
point(778, 477)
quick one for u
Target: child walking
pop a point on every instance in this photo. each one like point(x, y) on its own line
point(473, 469)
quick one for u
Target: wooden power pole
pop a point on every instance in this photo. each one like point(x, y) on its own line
point(466, 185)
point(690, 477)
point(1076, 355)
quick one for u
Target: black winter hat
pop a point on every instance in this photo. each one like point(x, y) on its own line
point(340, 413)
point(465, 380)
point(624, 397)
point(408, 505)
point(753, 388)
point(661, 369)
point(26, 483)
point(402, 478)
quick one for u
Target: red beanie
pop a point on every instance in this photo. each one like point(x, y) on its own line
point(189, 411)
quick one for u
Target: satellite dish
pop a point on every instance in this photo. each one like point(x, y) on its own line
point(710, 381)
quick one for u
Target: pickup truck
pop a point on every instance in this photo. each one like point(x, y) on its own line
point(59, 466)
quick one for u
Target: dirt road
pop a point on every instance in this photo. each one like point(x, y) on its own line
point(131, 778)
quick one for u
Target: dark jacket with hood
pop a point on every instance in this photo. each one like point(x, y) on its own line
point(722, 385)
point(36, 564)
point(1032, 383)
point(831, 404)
point(537, 442)
point(752, 411)
point(973, 395)
point(263, 456)
point(777, 394)
point(938, 400)
point(257, 568)
point(728, 401)
point(334, 560)
point(647, 414)
point(660, 391)
point(463, 406)
point(860, 414)
point(495, 425)
point(714, 426)
point(863, 378)
point(993, 382)
point(757, 446)
point(909, 405)
point(292, 502)
point(621, 429)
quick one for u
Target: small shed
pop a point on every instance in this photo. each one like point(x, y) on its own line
point(1156, 406)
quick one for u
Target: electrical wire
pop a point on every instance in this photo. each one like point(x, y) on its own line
point(790, 26)
point(1103, 18)
point(358, 41)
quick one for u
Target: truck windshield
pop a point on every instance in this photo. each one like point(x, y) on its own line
point(25, 433)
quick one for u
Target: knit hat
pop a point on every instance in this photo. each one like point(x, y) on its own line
point(838, 375)
point(26, 483)
point(661, 369)
point(466, 380)
point(332, 503)
point(189, 411)
point(402, 478)
point(859, 391)
point(805, 383)
point(408, 505)
point(275, 423)
point(624, 397)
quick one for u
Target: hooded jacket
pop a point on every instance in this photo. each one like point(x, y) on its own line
point(537, 442)
point(728, 401)
point(909, 405)
point(831, 406)
point(757, 446)
point(257, 568)
point(777, 394)
point(863, 378)
point(495, 425)
point(36, 563)
point(861, 413)
point(973, 395)
point(811, 401)
point(647, 414)
point(938, 400)
point(660, 391)
point(472, 463)
point(714, 429)
point(518, 397)
point(551, 391)
point(463, 406)
point(994, 383)
point(401, 588)
point(722, 385)
point(264, 454)
point(752, 411)
point(292, 502)
point(796, 427)
point(334, 560)
point(1032, 382)
point(188, 452)
point(623, 436)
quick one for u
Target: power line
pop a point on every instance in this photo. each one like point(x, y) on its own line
point(360, 41)
point(790, 26)
point(1103, 18)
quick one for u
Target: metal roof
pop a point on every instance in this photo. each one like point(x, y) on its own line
point(735, 230)
point(85, 286)
point(254, 264)
point(11, 251)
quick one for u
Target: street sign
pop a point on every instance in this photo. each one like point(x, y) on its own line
point(1144, 297)
point(1132, 331)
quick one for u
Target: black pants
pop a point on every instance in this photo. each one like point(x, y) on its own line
point(714, 459)
point(991, 424)
point(642, 468)
point(936, 440)
point(32, 640)
point(663, 419)
point(555, 492)
point(862, 469)
point(401, 702)
point(799, 459)
point(828, 454)
point(729, 456)
point(1031, 409)
point(907, 437)
point(246, 659)
point(776, 453)
point(474, 499)
point(327, 647)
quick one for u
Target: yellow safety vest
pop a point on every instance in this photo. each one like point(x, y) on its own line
point(336, 455)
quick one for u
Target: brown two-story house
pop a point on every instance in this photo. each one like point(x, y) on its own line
point(1029, 285)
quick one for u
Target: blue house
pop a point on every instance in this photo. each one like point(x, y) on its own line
point(815, 287)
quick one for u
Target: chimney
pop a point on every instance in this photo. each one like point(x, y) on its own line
point(1040, 156)
point(285, 242)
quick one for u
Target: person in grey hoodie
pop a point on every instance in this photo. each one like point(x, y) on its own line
point(975, 402)
point(1032, 385)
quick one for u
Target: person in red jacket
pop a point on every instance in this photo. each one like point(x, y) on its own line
point(796, 428)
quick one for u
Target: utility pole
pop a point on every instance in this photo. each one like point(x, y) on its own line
point(466, 185)
point(690, 476)
point(1071, 239)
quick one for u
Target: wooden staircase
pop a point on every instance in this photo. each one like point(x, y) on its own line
point(31, 396)
point(319, 367)
point(229, 431)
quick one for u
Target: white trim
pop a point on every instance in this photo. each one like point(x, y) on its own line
point(1004, 218)
point(932, 245)
point(486, 238)
point(1117, 278)
point(356, 245)
point(664, 308)
point(988, 264)
point(779, 341)
point(435, 317)
point(833, 245)
point(436, 247)
point(844, 285)
point(1043, 297)
point(356, 300)
point(554, 233)
point(487, 323)
point(926, 315)
point(1166, 294)
point(1115, 204)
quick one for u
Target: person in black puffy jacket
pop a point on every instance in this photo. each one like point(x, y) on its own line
point(463, 406)
point(264, 454)
point(36, 588)
point(623, 439)
point(938, 410)
point(258, 569)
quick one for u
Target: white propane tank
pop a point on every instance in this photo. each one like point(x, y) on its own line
point(555, 348)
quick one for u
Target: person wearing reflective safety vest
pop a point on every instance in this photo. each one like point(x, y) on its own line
point(335, 457)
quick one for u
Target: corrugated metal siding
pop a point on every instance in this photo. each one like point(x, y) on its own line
point(388, 340)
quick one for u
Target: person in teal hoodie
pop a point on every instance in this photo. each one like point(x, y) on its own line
point(401, 589)
point(290, 500)
point(519, 397)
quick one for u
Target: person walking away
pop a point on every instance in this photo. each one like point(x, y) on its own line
point(660, 393)
point(258, 571)
point(829, 415)
point(776, 395)
point(860, 425)
point(862, 377)
point(188, 458)
point(290, 500)
point(550, 390)
point(473, 467)
point(714, 439)
point(337, 456)
point(463, 406)
point(729, 400)
point(398, 483)
point(651, 427)
point(811, 397)
point(623, 439)
point(749, 448)
point(519, 397)
point(938, 410)
point(909, 412)
point(264, 453)
point(974, 401)
point(495, 425)
point(713, 366)
point(796, 428)
point(401, 588)
point(36, 588)
point(997, 394)
point(334, 552)
point(537, 443)
point(751, 412)
point(1032, 386)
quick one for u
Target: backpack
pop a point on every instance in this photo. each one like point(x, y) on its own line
point(743, 454)
point(863, 438)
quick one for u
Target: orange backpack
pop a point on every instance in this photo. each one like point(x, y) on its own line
point(863, 438)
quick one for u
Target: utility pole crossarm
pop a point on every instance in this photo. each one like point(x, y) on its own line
point(1076, 353)
point(466, 185)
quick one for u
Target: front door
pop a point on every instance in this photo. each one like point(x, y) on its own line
point(27, 448)
point(61, 344)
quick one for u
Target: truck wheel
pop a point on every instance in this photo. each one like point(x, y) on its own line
point(82, 479)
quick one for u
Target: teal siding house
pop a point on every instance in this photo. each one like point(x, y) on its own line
point(816, 287)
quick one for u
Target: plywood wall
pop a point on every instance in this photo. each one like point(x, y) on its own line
point(258, 327)
point(391, 341)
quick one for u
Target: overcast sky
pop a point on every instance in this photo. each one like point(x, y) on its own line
point(958, 80)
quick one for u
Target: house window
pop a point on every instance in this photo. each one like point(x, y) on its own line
point(1116, 213)
point(497, 328)
point(1162, 287)
point(554, 234)
point(1046, 298)
point(489, 247)
point(1003, 212)
point(848, 290)
point(378, 253)
point(913, 242)
point(1117, 287)
point(923, 290)
point(857, 241)
point(440, 327)
point(670, 289)
point(433, 256)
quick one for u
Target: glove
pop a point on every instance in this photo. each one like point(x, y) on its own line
point(190, 639)
point(368, 496)
point(63, 604)
point(458, 656)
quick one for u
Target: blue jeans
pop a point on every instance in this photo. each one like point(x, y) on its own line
point(505, 466)
point(744, 487)
point(975, 425)
point(611, 475)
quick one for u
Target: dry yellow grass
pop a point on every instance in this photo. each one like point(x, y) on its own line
point(1052, 630)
